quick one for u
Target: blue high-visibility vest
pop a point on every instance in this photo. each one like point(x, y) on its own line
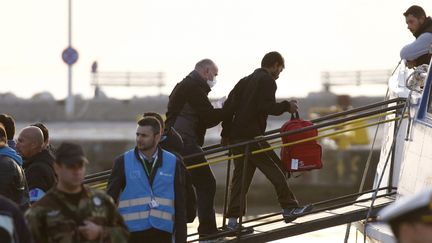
point(137, 201)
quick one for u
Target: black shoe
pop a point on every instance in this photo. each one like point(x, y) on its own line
point(291, 214)
point(232, 230)
point(216, 236)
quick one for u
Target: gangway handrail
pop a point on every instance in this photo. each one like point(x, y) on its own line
point(265, 138)
point(331, 207)
point(348, 112)
point(105, 176)
point(332, 200)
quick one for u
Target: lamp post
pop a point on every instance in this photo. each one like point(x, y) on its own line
point(69, 56)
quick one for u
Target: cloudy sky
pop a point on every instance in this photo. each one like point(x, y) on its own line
point(171, 36)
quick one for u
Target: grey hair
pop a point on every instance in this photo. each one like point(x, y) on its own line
point(203, 64)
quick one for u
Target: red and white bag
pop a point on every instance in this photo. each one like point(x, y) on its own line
point(302, 156)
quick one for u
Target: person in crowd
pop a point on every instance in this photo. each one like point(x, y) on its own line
point(410, 217)
point(13, 228)
point(419, 51)
point(250, 102)
point(150, 188)
point(9, 125)
point(71, 211)
point(38, 162)
point(191, 113)
point(170, 139)
point(13, 184)
point(45, 132)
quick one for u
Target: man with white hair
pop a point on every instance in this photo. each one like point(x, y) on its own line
point(191, 113)
point(38, 162)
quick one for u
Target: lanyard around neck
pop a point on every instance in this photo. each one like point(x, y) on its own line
point(143, 160)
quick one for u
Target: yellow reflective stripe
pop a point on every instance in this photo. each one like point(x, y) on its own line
point(134, 202)
point(145, 201)
point(161, 214)
point(145, 214)
point(135, 216)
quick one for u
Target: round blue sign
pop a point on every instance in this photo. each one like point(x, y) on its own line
point(70, 55)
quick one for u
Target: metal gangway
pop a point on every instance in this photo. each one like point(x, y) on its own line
point(328, 213)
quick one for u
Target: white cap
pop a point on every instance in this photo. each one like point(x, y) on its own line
point(419, 203)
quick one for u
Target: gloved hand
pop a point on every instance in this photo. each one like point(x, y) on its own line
point(293, 108)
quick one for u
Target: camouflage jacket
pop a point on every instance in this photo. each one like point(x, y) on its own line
point(54, 219)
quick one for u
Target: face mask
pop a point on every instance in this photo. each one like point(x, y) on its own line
point(211, 83)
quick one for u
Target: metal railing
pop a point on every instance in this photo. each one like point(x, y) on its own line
point(324, 123)
point(359, 77)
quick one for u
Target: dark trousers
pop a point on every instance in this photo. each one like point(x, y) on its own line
point(151, 236)
point(270, 165)
point(205, 188)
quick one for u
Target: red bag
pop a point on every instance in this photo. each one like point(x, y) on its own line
point(301, 156)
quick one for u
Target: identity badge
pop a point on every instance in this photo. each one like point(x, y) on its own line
point(153, 203)
point(294, 164)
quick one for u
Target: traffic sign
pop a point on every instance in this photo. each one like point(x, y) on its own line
point(70, 55)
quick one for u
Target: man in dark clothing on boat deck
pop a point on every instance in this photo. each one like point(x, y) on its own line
point(251, 101)
point(191, 113)
point(38, 162)
point(418, 52)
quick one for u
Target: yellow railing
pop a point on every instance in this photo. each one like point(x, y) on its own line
point(223, 157)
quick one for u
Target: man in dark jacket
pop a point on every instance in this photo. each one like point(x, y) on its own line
point(251, 101)
point(418, 52)
point(38, 162)
point(13, 183)
point(142, 185)
point(191, 113)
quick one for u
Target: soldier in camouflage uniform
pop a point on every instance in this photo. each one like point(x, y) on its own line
point(72, 212)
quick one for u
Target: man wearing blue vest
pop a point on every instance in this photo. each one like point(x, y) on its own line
point(149, 186)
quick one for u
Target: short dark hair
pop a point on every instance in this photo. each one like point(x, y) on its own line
point(43, 128)
point(415, 11)
point(271, 58)
point(9, 125)
point(157, 116)
point(69, 153)
point(152, 122)
point(3, 137)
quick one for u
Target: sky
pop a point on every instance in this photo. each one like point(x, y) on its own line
point(170, 36)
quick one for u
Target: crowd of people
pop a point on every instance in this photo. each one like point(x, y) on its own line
point(151, 195)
